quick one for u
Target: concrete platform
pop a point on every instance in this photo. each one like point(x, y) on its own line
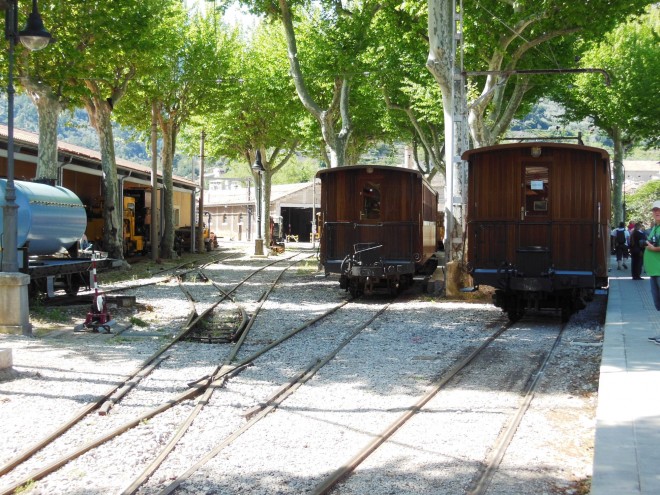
point(627, 449)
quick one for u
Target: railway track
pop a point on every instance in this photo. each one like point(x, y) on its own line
point(477, 364)
point(111, 397)
point(357, 385)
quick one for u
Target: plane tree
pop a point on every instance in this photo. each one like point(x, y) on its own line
point(98, 50)
point(323, 68)
point(181, 81)
point(626, 110)
point(259, 111)
point(46, 76)
point(506, 39)
point(400, 48)
point(116, 45)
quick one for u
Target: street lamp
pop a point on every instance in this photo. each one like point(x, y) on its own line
point(258, 168)
point(34, 37)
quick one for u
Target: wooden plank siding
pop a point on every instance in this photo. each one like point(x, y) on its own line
point(388, 206)
point(572, 221)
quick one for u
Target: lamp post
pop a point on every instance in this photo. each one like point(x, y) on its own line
point(258, 168)
point(34, 37)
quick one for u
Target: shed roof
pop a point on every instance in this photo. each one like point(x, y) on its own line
point(245, 195)
point(29, 141)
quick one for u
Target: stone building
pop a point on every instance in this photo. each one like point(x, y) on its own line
point(231, 203)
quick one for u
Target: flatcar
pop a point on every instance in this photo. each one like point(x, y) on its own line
point(538, 224)
point(51, 220)
point(378, 227)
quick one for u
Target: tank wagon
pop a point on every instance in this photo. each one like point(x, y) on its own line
point(378, 227)
point(50, 222)
point(538, 224)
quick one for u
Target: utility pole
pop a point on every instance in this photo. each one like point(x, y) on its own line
point(155, 238)
point(200, 217)
point(455, 167)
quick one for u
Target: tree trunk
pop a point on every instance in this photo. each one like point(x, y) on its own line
point(99, 112)
point(617, 186)
point(336, 142)
point(48, 109)
point(265, 206)
point(440, 64)
point(167, 246)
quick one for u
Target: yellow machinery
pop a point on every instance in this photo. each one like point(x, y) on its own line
point(133, 243)
point(183, 241)
point(94, 231)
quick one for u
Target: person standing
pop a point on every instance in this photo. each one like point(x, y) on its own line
point(652, 260)
point(621, 237)
point(637, 246)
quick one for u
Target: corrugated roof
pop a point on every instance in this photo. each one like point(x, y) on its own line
point(31, 139)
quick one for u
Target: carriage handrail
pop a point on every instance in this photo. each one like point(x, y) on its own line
point(387, 229)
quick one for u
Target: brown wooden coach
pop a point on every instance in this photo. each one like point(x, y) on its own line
point(538, 224)
point(379, 226)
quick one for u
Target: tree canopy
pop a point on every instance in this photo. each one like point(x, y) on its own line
point(626, 109)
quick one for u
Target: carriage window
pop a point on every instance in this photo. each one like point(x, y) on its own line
point(371, 200)
point(536, 190)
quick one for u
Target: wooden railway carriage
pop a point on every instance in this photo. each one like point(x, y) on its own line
point(538, 224)
point(379, 226)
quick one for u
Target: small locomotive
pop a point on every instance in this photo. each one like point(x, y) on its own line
point(379, 227)
point(538, 224)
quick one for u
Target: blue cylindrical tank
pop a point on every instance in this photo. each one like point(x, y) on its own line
point(49, 217)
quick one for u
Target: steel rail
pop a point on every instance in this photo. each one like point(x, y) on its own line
point(326, 485)
point(84, 411)
point(279, 397)
point(214, 380)
point(166, 278)
point(204, 399)
point(482, 483)
point(33, 449)
point(128, 386)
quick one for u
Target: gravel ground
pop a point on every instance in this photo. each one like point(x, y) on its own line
point(379, 375)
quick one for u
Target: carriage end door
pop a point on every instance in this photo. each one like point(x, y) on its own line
point(535, 207)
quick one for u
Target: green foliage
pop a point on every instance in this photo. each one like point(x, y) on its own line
point(56, 315)
point(297, 170)
point(259, 108)
point(638, 204)
point(630, 55)
point(526, 35)
point(138, 322)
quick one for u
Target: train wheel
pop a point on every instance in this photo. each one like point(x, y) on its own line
point(405, 282)
point(515, 308)
point(566, 310)
point(354, 288)
point(393, 287)
point(72, 286)
point(514, 314)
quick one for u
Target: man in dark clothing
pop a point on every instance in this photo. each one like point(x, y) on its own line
point(637, 245)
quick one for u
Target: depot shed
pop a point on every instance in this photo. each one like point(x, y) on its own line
point(231, 203)
point(80, 170)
